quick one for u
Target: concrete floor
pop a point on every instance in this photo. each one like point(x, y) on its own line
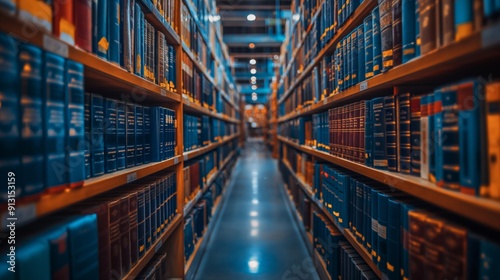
point(255, 236)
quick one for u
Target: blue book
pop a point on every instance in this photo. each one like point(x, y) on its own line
point(368, 23)
point(88, 135)
point(97, 132)
point(162, 129)
point(354, 57)
point(147, 134)
point(139, 135)
point(110, 135)
point(417, 28)
point(126, 31)
point(138, 31)
point(438, 137)
point(83, 248)
point(75, 128)
point(464, 18)
point(451, 154)
point(376, 40)
point(431, 141)
point(8, 6)
point(156, 151)
point(382, 218)
point(172, 68)
point(408, 32)
point(471, 108)
point(404, 133)
point(386, 38)
point(121, 135)
point(374, 225)
point(131, 121)
point(405, 209)
point(54, 123)
point(168, 133)
point(360, 75)
point(101, 35)
point(391, 133)
point(57, 240)
point(113, 19)
point(33, 260)
point(30, 72)
point(489, 263)
point(380, 160)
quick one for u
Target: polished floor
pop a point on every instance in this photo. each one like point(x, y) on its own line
point(255, 236)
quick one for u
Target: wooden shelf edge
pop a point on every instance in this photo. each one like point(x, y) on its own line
point(358, 16)
point(321, 266)
point(200, 151)
point(478, 209)
point(194, 107)
point(105, 73)
point(141, 264)
point(193, 255)
point(362, 252)
point(160, 22)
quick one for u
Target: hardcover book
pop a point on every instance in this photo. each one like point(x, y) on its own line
point(63, 20)
point(121, 135)
point(97, 133)
point(82, 16)
point(408, 29)
point(385, 10)
point(110, 135)
point(113, 19)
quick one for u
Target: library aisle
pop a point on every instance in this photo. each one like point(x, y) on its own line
point(255, 236)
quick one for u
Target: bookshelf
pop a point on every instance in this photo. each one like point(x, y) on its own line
point(112, 81)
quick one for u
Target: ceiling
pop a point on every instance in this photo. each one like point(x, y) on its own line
point(256, 41)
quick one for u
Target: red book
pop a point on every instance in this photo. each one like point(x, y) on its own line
point(82, 17)
point(361, 143)
point(62, 20)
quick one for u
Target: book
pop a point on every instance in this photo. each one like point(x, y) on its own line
point(139, 135)
point(110, 135)
point(131, 132)
point(147, 134)
point(418, 39)
point(101, 37)
point(391, 133)
point(425, 103)
point(404, 131)
point(127, 34)
point(448, 22)
point(464, 18)
point(33, 260)
point(63, 20)
point(138, 32)
point(386, 35)
point(31, 116)
point(415, 114)
point(82, 16)
point(450, 145)
point(368, 23)
point(114, 31)
point(54, 95)
point(492, 114)
point(83, 247)
point(57, 240)
point(121, 135)
point(36, 12)
point(397, 32)
point(379, 135)
point(408, 21)
point(75, 129)
point(97, 134)
point(428, 29)
point(369, 133)
point(376, 40)
point(438, 137)
point(88, 135)
point(361, 53)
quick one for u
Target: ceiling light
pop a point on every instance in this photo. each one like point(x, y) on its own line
point(253, 78)
point(296, 17)
point(254, 82)
point(251, 17)
point(276, 57)
point(252, 61)
point(253, 71)
point(254, 98)
point(254, 87)
point(251, 45)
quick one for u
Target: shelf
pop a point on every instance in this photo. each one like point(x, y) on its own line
point(158, 21)
point(100, 76)
point(192, 107)
point(478, 209)
point(193, 255)
point(94, 186)
point(141, 264)
point(363, 10)
point(362, 252)
point(321, 266)
point(305, 187)
point(200, 151)
point(190, 204)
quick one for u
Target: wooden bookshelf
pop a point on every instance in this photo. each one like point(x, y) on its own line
point(362, 252)
point(195, 108)
point(50, 203)
point(100, 75)
point(154, 17)
point(478, 209)
point(321, 266)
point(363, 10)
point(203, 150)
point(141, 264)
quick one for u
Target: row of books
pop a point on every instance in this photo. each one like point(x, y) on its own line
point(311, 131)
point(123, 135)
point(402, 233)
point(300, 199)
point(447, 137)
point(301, 164)
point(157, 268)
point(100, 238)
point(341, 259)
point(380, 44)
point(114, 30)
point(201, 131)
point(197, 173)
point(42, 117)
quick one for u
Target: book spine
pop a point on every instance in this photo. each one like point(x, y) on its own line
point(133, 224)
point(361, 54)
point(428, 25)
point(438, 137)
point(448, 22)
point(131, 126)
point(147, 134)
point(114, 239)
point(376, 40)
point(354, 57)
point(386, 39)
point(83, 247)
point(110, 135)
point(126, 33)
point(361, 132)
point(31, 115)
point(138, 62)
point(59, 255)
point(75, 155)
point(55, 123)
point(82, 16)
point(97, 133)
point(424, 136)
point(374, 224)
point(415, 115)
point(368, 47)
point(124, 227)
point(464, 19)
point(404, 133)
point(121, 135)
point(141, 223)
point(101, 43)
point(139, 135)
point(391, 133)
point(113, 19)
point(88, 135)
point(62, 22)
point(431, 138)
point(451, 161)
point(470, 108)
point(418, 39)
point(408, 29)
point(368, 133)
point(397, 32)
point(493, 138)
point(379, 135)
